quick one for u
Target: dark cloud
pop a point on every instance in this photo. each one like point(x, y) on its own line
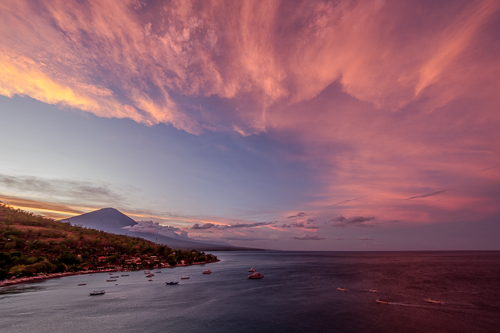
point(427, 195)
point(307, 237)
point(342, 221)
point(203, 227)
point(298, 215)
point(339, 218)
point(358, 219)
point(301, 225)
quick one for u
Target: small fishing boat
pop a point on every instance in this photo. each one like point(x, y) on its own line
point(150, 275)
point(342, 289)
point(150, 280)
point(207, 271)
point(82, 284)
point(97, 292)
point(381, 302)
point(256, 275)
point(147, 272)
point(124, 274)
point(184, 277)
point(158, 271)
point(432, 301)
point(111, 280)
point(171, 283)
point(114, 277)
point(251, 270)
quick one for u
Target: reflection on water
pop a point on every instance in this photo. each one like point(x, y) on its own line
point(20, 288)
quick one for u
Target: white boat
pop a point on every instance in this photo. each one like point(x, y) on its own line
point(97, 292)
point(256, 275)
point(184, 277)
point(150, 275)
point(207, 271)
point(342, 289)
point(251, 270)
point(381, 302)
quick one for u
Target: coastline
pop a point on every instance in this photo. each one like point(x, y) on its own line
point(14, 281)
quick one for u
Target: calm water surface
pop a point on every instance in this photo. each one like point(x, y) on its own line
point(297, 294)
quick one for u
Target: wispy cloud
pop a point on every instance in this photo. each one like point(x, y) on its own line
point(427, 195)
point(346, 201)
point(79, 190)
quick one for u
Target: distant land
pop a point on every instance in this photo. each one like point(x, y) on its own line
point(113, 221)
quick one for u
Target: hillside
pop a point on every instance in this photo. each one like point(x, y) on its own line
point(31, 245)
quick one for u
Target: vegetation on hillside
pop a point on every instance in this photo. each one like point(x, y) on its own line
point(31, 244)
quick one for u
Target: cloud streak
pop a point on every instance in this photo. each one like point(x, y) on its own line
point(427, 195)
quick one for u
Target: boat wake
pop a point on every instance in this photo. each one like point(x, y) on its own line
point(409, 305)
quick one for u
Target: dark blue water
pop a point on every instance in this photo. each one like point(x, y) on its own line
point(297, 294)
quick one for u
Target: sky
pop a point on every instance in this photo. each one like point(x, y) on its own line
point(289, 125)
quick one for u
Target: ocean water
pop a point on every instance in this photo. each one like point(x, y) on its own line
point(297, 294)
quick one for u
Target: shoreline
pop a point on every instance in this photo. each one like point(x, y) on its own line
point(14, 281)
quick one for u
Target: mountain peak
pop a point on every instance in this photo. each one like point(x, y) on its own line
point(107, 219)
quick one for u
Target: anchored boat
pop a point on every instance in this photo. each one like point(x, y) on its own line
point(256, 275)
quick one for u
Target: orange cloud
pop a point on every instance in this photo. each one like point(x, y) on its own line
point(52, 210)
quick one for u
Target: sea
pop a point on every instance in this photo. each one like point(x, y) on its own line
point(299, 293)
